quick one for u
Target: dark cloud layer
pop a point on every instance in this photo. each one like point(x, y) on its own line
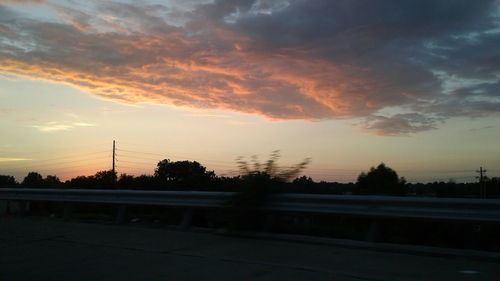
point(423, 60)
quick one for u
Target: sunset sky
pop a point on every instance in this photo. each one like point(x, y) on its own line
point(349, 83)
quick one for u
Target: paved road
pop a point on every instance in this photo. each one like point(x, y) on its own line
point(38, 249)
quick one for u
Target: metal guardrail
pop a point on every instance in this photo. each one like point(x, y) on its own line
point(448, 209)
point(119, 197)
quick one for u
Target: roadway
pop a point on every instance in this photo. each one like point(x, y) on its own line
point(45, 249)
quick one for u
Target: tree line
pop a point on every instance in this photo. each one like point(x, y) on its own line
point(266, 177)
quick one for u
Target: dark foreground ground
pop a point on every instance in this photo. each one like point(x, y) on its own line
point(38, 249)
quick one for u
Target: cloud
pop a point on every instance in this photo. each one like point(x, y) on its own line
point(52, 127)
point(22, 2)
point(55, 126)
point(207, 114)
point(11, 159)
point(481, 128)
point(110, 110)
point(400, 124)
point(83, 124)
point(240, 122)
point(278, 59)
point(5, 111)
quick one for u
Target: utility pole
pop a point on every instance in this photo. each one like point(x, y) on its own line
point(482, 191)
point(114, 156)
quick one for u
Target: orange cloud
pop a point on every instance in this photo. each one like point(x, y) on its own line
point(233, 80)
point(218, 60)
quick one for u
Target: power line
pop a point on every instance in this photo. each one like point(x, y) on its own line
point(137, 157)
point(66, 148)
point(140, 152)
point(86, 173)
point(37, 168)
point(137, 168)
point(136, 162)
point(163, 155)
point(75, 161)
point(59, 168)
point(87, 155)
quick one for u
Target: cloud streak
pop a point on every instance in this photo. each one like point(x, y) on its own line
point(55, 126)
point(429, 60)
point(11, 159)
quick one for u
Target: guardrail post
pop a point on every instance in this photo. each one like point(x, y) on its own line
point(187, 217)
point(121, 214)
point(373, 230)
point(68, 211)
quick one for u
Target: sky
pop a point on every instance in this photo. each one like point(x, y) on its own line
point(349, 83)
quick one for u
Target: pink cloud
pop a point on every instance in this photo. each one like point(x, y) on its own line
point(133, 54)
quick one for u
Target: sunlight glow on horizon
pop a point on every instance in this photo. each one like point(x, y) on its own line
point(152, 133)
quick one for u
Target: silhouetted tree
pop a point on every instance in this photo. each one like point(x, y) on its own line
point(446, 189)
point(7, 181)
point(105, 179)
point(33, 179)
point(101, 179)
point(82, 182)
point(143, 182)
point(52, 181)
point(304, 181)
point(183, 174)
point(228, 184)
point(493, 187)
point(380, 180)
point(146, 182)
point(125, 181)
